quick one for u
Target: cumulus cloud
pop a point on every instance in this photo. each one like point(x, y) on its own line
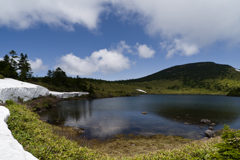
point(179, 47)
point(105, 61)
point(144, 51)
point(37, 65)
point(194, 23)
point(27, 13)
point(1, 59)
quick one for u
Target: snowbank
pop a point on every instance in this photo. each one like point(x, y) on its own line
point(14, 89)
point(237, 69)
point(10, 149)
point(66, 94)
point(141, 90)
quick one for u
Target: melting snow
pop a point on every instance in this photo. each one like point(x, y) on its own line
point(14, 89)
point(141, 90)
point(10, 148)
point(67, 94)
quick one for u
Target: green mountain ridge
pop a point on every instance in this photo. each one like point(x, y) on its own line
point(193, 71)
point(191, 78)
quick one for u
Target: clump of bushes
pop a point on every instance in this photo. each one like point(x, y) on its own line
point(1, 76)
point(42, 103)
point(234, 92)
point(229, 148)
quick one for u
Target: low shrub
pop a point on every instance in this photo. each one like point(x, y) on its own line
point(1, 76)
point(40, 103)
point(10, 102)
point(229, 148)
point(38, 138)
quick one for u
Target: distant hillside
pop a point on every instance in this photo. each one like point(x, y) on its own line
point(193, 71)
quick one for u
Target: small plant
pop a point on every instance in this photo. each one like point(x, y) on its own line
point(229, 148)
point(1, 76)
point(10, 102)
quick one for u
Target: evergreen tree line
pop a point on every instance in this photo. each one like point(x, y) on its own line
point(59, 79)
point(13, 66)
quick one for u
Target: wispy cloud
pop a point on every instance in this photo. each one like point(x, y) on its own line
point(139, 49)
point(196, 24)
point(179, 47)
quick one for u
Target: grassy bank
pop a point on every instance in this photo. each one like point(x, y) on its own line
point(41, 140)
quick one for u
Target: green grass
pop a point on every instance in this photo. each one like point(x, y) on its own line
point(41, 140)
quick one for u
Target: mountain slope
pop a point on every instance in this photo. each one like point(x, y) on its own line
point(193, 71)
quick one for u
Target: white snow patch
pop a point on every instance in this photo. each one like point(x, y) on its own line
point(237, 69)
point(67, 94)
point(10, 148)
point(14, 89)
point(141, 90)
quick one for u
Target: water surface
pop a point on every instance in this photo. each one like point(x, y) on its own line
point(166, 114)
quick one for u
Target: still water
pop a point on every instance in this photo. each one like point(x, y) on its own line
point(166, 114)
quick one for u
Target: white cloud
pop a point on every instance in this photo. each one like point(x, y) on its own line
point(100, 61)
point(122, 46)
point(196, 23)
point(179, 47)
point(1, 59)
point(144, 51)
point(37, 65)
point(27, 13)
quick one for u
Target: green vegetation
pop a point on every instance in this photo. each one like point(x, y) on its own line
point(130, 145)
point(10, 66)
point(195, 78)
point(46, 141)
point(39, 139)
point(42, 103)
point(234, 92)
point(229, 148)
point(1, 76)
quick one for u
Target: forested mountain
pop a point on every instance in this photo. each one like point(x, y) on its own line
point(194, 72)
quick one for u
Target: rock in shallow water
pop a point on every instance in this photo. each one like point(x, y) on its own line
point(205, 121)
point(209, 133)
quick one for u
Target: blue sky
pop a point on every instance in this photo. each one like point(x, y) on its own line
point(120, 39)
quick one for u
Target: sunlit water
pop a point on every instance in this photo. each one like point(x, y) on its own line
point(166, 114)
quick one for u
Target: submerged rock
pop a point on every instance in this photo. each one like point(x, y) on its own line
point(144, 112)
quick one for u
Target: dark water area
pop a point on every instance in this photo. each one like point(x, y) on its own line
point(166, 114)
